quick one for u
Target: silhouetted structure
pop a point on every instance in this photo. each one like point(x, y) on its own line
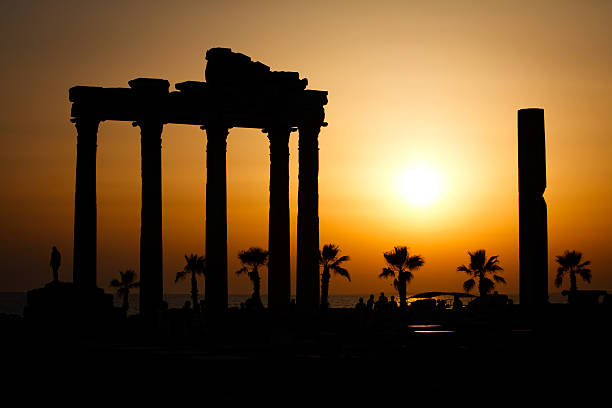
point(55, 262)
point(237, 93)
point(533, 236)
point(66, 302)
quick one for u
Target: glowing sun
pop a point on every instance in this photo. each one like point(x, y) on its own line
point(420, 185)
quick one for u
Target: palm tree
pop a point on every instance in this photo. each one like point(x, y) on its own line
point(124, 284)
point(196, 265)
point(252, 259)
point(479, 267)
point(330, 261)
point(570, 262)
point(400, 266)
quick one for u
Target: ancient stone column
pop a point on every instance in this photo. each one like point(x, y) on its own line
point(533, 236)
point(85, 208)
point(216, 218)
point(307, 283)
point(151, 261)
point(279, 262)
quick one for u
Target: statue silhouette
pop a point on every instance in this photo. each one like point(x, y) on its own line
point(55, 262)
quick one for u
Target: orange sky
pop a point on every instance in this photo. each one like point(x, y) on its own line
point(429, 83)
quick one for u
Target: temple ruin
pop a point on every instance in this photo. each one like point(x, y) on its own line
point(238, 92)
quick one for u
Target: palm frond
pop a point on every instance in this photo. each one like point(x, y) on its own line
point(254, 256)
point(415, 262)
point(329, 252)
point(408, 276)
point(341, 271)
point(386, 273)
point(571, 261)
point(397, 257)
point(477, 259)
point(469, 284)
point(465, 269)
point(201, 263)
point(492, 265)
point(180, 275)
point(127, 278)
point(486, 284)
point(340, 260)
point(585, 274)
point(499, 279)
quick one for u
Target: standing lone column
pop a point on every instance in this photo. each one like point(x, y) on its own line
point(85, 208)
point(151, 261)
point(279, 263)
point(307, 284)
point(216, 218)
point(533, 236)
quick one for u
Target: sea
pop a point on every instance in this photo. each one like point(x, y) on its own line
point(14, 302)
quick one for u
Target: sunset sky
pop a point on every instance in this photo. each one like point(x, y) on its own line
point(417, 90)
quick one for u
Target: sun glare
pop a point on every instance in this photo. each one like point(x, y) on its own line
point(420, 185)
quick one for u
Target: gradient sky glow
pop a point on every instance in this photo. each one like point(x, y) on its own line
point(431, 83)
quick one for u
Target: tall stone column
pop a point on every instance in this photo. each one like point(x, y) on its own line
point(307, 284)
point(151, 261)
point(533, 235)
point(216, 218)
point(85, 208)
point(279, 262)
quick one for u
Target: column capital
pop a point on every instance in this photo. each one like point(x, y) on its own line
point(216, 137)
point(86, 124)
point(149, 123)
point(216, 127)
point(278, 136)
point(279, 128)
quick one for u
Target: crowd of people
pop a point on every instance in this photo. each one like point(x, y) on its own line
point(377, 305)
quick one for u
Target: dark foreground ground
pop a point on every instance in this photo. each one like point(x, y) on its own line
point(437, 350)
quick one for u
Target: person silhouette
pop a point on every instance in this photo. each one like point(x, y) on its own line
point(55, 262)
point(382, 302)
point(370, 304)
point(360, 306)
point(392, 303)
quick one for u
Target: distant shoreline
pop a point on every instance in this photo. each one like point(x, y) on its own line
point(14, 302)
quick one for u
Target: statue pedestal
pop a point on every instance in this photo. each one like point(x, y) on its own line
point(64, 302)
